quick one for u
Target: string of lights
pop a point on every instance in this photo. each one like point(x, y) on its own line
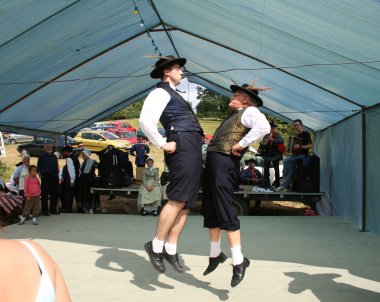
point(137, 12)
point(80, 120)
point(188, 74)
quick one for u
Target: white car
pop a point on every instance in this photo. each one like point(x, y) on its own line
point(14, 138)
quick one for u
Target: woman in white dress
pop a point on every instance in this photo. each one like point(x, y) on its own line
point(150, 194)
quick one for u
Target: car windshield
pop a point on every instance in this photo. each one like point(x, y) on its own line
point(109, 135)
point(124, 125)
point(127, 134)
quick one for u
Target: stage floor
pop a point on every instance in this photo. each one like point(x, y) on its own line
point(298, 258)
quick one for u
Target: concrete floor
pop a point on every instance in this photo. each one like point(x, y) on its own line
point(292, 259)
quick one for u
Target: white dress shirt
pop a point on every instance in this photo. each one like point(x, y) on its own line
point(254, 119)
point(151, 112)
point(70, 169)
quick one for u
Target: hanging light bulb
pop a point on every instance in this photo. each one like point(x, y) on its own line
point(142, 23)
point(136, 11)
point(153, 43)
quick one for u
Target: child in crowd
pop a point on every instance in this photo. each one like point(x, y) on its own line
point(32, 192)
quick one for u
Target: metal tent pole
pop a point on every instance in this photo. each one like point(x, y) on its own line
point(364, 171)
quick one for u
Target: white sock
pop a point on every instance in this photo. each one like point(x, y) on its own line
point(215, 249)
point(171, 248)
point(237, 256)
point(158, 245)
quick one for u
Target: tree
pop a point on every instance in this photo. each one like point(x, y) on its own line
point(211, 105)
point(131, 111)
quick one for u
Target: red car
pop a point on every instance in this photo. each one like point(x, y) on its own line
point(122, 126)
point(207, 138)
point(129, 136)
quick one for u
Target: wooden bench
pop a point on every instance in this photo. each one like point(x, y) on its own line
point(242, 198)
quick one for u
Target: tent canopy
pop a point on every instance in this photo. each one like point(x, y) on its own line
point(66, 64)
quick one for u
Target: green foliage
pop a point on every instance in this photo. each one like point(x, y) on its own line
point(131, 111)
point(4, 169)
point(211, 105)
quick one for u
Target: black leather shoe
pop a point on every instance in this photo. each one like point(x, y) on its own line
point(173, 260)
point(143, 212)
point(214, 262)
point(156, 259)
point(54, 212)
point(238, 272)
point(45, 213)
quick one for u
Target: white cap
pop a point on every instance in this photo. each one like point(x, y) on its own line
point(87, 152)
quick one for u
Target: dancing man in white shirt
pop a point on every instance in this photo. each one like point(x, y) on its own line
point(244, 126)
point(183, 157)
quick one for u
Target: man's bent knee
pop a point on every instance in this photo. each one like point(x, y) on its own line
point(176, 204)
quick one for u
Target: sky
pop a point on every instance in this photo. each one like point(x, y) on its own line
point(190, 92)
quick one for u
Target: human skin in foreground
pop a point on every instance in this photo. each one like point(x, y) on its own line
point(20, 275)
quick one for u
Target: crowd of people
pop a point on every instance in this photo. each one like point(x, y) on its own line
point(45, 189)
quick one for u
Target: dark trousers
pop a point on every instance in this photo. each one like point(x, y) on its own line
point(276, 166)
point(220, 179)
point(67, 194)
point(50, 189)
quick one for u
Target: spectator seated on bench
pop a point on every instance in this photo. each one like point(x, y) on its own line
point(150, 194)
point(251, 175)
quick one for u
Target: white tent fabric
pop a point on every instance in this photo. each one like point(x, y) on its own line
point(68, 63)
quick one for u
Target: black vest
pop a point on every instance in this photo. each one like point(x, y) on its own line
point(178, 115)
point(65, 172)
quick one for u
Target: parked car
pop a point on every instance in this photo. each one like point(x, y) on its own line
point(14, 138)
point(36, 146)
point(141, 133)
point(121, 126)
point(207, 138)
point(99, 140)
point(129, 136)
point(109, 128)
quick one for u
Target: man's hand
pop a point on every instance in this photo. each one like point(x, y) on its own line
point(169, 147)
point(235, 150)
point(72, 185)
point(296, 146)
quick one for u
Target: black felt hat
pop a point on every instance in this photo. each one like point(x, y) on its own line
point(165, 62)
point(67, 148)
point(252, 91)
point(251, 160)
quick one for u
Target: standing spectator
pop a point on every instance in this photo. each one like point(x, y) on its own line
point(69, 179)
point(32, 192)
point(273, 155)
point(21, 173)
point(87, 202)
point(142, 150)
point(150, 194)
point(47, 168)
point(299, 150)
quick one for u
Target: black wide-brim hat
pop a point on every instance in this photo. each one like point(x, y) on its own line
point(165, 62)
point(67, 148)
point(248, 89)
